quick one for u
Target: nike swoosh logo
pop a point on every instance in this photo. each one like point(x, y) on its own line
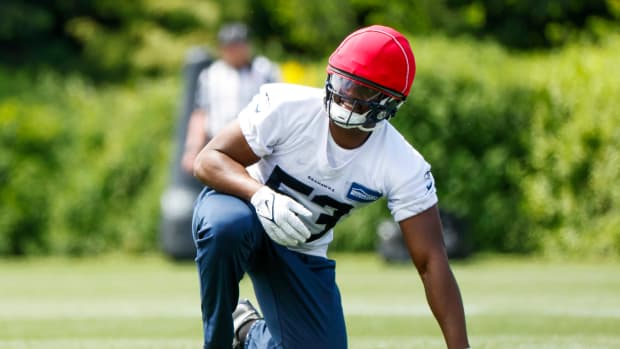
point(269, 208)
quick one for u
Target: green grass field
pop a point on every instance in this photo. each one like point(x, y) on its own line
point(149, 302)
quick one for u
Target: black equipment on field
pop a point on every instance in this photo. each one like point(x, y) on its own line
point(177, 201)
point(391, 244)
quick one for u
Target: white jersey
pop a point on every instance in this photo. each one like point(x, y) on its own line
point(223, 90)
point(287, 126)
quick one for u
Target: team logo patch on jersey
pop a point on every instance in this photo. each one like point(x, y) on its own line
point(428, 178)
point(360, 193)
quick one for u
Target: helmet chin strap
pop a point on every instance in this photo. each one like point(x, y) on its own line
point(342, 117)
point(375, 127)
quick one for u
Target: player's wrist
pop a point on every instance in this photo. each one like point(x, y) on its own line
point(261, 192)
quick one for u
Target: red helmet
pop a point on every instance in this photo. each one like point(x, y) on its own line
point(378, 56)
point(369, 76)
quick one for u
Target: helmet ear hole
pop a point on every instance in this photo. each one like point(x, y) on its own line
point(389, 106)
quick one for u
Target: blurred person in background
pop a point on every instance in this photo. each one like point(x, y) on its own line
point(225, 87)
point(279, 178)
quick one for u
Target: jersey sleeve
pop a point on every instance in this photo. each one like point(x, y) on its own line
point(261, 124)
point(412, 190)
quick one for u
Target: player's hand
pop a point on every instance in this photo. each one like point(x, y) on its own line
point(279, 216)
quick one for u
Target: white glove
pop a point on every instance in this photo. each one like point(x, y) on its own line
point(278, 215)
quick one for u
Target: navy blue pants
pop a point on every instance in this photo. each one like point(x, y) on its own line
point(297, 293)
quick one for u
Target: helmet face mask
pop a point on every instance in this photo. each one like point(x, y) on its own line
point(351, 104)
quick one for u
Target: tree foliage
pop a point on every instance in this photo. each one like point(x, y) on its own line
point(114, 39)
point(104, 39)
point(527, 24)
point(313, 28)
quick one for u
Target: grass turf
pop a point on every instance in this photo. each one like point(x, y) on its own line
point(149, 302)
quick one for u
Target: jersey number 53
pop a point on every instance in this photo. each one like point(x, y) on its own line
point(278, 176)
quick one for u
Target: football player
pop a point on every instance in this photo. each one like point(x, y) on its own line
point(280, 177)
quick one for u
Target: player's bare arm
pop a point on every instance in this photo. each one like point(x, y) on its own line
point(424, 241)
point(221, 163)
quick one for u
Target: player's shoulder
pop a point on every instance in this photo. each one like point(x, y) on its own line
point(285, 94)
point(399, 148)
point(291, 91)
point(285, 102)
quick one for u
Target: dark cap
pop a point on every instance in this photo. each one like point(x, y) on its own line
point(232, 33)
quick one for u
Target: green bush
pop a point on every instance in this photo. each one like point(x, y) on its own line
point(467, 115)
point(82, 168)
point(572, 194)
point(26, 159)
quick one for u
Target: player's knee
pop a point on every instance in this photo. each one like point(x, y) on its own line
point(226, 232)
point(230, 232)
